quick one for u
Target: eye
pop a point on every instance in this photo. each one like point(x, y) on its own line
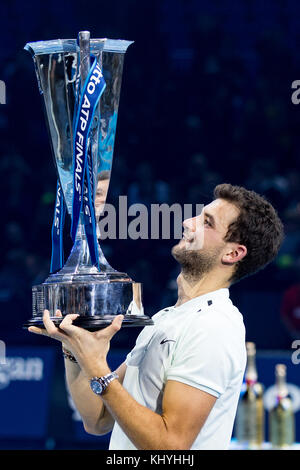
point(207, 222)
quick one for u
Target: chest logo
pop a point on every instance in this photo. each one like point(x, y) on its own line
point(166, 340)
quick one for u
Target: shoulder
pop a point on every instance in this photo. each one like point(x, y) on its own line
point(216, 318)
point(216, 328)
point(210, 349)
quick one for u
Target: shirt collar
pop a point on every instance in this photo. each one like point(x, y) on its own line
point(205, 300)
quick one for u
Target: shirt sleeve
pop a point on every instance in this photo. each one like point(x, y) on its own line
point(202, 359)
point(127, 358)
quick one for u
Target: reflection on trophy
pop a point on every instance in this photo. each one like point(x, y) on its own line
point(101, 191)
point(80, 81)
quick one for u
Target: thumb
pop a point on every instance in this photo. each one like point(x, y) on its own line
point(67, 324)
point(115, 326)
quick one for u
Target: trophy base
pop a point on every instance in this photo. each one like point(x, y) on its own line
point(97, 299)
point(95, 323)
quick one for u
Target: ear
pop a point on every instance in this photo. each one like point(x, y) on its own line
point(234, 254)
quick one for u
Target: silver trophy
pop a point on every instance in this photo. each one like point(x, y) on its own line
point(96, 292)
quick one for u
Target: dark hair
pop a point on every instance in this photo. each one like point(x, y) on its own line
point(103, 175)
point(257, 226)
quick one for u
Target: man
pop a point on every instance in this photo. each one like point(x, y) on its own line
point(101, 191)
point(179, 386)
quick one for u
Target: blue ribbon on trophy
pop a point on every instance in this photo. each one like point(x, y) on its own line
point(83, 179)
point(57, 258)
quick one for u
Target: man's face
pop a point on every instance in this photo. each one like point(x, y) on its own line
point(202, 246)
point(102, 189)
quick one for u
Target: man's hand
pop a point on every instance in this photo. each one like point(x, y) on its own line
point(89, 348)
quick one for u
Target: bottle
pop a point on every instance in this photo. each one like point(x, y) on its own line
point(281, 415)
point(250, 412)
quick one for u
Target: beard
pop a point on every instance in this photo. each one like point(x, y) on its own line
point(196, 263)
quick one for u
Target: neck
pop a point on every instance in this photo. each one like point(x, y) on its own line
point(189, 288)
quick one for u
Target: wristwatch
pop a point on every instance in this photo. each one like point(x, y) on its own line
point(99, 384)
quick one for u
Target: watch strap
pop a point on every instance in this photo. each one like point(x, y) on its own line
point(105, 380)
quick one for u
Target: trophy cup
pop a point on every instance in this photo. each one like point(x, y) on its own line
point(80, 81)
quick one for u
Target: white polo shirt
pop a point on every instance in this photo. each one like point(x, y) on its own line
point(200, 343)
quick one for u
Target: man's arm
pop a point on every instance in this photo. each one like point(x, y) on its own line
point(184, 408)
point(95, 416)
point(184, 411)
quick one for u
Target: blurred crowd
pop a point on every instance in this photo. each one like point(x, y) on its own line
point(200, 105)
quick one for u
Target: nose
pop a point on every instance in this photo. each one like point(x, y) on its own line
point(194, 223)
point(190, 224)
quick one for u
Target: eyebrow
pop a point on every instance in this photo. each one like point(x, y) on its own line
point(211, 217)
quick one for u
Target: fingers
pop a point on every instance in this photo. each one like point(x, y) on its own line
point(43, 331)
point(112, 329)
point(52, 330)
point(67, 324)
point(39, 331)
point(66, 327)
point(60, 333)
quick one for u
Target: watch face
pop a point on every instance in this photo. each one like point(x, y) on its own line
point(96, 387)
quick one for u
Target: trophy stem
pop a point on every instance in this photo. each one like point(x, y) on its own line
point(84, 54)
point(79, 260)
point(80, 235)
